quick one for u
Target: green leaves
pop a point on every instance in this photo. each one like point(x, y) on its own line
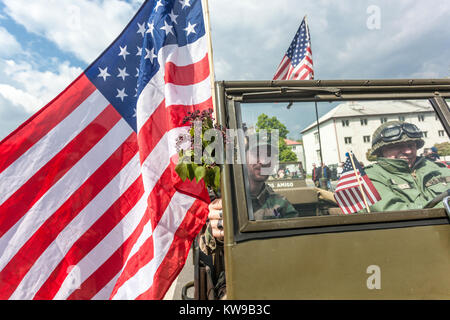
point(268, 124)
point(199, 173)
point(199, 164)
point(192, 171)
point(212, 177)
point(217, 178)
point(182, 170)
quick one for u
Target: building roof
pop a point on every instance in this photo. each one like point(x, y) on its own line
point(292, 142)
point(372, 108)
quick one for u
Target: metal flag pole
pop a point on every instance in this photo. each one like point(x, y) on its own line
point(359, 182)
point(318, 133)
point(210, 53)
point(309, 39)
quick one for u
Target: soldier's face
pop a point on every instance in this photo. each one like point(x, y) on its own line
point(255, 162)
point(405, 151)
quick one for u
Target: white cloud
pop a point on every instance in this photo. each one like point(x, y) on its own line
point(19, 97)
point(84, 28)
point(9, 45)
point(252, 37)
point(31, 89)
point(10, 116)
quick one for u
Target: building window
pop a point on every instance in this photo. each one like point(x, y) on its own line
point(348, 140)
point(366, 138)
point(363, 122)
point(345, 123)
point(441, 133)
point(316, 137)
point(383, 120)
point(421, 117)
point(401, 118)
point(425, 134)
point(318, 156)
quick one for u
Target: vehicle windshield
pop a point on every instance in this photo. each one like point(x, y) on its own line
point(398, 148)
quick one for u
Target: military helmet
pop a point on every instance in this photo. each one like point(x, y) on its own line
point(394, 132)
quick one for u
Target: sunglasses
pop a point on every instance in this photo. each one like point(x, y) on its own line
point(395, 132)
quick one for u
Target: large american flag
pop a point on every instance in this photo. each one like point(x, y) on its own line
point(348, 191)
point(297, 63)
point(90, 204)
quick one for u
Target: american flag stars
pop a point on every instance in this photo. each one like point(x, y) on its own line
point(150, 28)
point(173, 17)
point(168, 22)
point(123, 73)
point(150, 54)
point(158, 4)
point(190, 28)
point(121, 94)
point(141, 29)
point(167, 28)
point(124, 52)
point(99, 200)
point(185, 3)
point(104, 73)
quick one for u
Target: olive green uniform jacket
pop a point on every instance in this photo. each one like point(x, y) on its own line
point(404, 188)
point(270, 205)
point(266, 205)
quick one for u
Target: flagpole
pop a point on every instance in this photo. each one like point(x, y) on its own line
point(309, 39)
point(359, 182)
point(205, 9)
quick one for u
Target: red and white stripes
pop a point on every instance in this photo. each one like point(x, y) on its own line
point(160, 113)
point(303, 71)
point(349, 196)
point(88, 208)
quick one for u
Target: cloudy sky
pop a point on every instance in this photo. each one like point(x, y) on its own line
point(46, 44)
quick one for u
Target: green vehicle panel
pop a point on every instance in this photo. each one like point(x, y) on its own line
point(325, 254)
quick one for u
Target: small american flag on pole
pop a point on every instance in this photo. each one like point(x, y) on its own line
point(354, 190)
point(297, 63)
point(90, 204)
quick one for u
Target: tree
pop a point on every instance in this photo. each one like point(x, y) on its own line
point(269, 124)
point(285, 153)
point(443, 148)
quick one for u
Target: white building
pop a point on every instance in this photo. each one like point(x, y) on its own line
point(349, 127)
point(297, 148)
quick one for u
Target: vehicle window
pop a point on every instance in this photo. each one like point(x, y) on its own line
point(396, 147)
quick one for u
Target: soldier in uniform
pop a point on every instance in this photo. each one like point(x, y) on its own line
point(403, 179)
point(266, 204)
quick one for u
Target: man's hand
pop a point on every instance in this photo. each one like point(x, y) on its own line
point(215, 218)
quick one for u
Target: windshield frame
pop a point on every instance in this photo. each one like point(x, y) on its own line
point(229, 108)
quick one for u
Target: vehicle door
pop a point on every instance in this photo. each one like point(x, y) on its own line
point(324, 253)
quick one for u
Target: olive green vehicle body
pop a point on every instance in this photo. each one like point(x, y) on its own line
point(325, 255)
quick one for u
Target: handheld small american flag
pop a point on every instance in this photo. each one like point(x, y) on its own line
point(297, 63)
point(348, 193)
point(90, 204)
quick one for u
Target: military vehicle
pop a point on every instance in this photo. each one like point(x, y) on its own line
point(325, 254)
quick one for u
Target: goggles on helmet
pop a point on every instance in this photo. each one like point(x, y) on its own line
point(395, 132)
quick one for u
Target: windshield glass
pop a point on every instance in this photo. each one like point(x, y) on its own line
point(399, 151)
